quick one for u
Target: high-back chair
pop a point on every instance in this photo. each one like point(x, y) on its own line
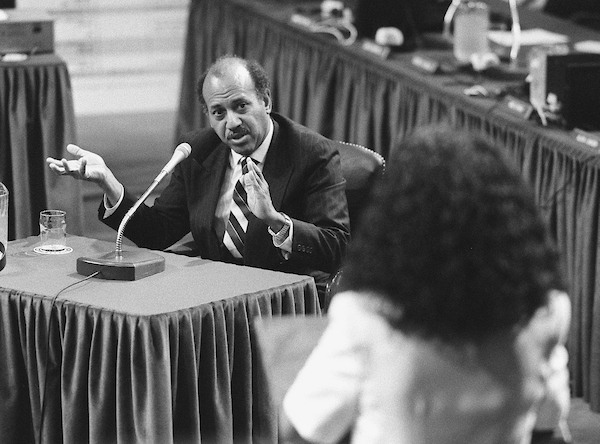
point(361, 168)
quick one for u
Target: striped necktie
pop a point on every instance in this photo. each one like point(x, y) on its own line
point(235, 232)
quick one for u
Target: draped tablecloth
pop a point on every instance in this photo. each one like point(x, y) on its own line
point(348, 94)
point(36, 121)
point(164, 359)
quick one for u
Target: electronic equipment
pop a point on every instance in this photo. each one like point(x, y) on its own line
point(568, 85)
point(26, 31)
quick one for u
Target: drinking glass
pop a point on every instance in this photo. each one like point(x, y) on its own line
point(53, 231)
point(471, 23)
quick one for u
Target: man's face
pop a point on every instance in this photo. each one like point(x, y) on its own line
point(236, 112)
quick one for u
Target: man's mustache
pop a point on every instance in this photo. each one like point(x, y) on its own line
point(238, 132)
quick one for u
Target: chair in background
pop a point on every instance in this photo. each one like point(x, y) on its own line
point(361, 167)
point(282, 362)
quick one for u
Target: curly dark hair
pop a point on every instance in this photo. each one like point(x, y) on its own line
point(453, 240)
point(259, 76)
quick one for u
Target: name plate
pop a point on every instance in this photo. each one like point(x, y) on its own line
point(517, 107)
point(587, 139)
point(374, 48)
point(426, 64)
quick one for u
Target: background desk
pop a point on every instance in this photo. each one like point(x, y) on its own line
point(36, 121)
point(164, 359)
point(348, 94)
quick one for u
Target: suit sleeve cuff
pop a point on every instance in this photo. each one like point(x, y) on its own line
point(283, 238)
point(108, 210)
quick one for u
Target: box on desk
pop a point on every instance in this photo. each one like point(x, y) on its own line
point(568, 84)
point(26, 30)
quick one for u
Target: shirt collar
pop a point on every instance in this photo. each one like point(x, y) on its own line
point(260, 153)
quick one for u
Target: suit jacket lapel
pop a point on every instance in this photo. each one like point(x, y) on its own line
point(278, 168)
point(212, 172)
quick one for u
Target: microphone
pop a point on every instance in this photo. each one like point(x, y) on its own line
point(132, 265)
point(181, 152)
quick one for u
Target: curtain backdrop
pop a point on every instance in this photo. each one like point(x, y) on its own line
point(37, 121)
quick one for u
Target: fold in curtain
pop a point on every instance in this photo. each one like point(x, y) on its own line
point(182, 377)
point(37, 121)
point(354, 97)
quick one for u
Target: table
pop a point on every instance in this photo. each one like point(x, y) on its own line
point(36, 121)
point(348, 94)
point(164, 359)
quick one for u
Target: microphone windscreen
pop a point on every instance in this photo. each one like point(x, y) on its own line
point(184, 148)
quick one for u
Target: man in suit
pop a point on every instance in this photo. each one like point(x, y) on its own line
point(295, 193)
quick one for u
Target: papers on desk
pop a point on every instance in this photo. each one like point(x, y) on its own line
point(501, 42)
point(590, 46)
point(529, 37)
point(13, 57)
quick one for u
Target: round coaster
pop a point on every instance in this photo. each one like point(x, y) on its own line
point(42, 250)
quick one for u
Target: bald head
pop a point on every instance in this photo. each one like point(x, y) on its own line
point(229, 65)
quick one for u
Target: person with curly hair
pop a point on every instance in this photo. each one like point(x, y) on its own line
point(452, 317)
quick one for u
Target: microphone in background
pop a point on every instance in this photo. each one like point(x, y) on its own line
point(132, 265)
point(516, 33)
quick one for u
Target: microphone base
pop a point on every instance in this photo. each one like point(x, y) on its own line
point(129, 266)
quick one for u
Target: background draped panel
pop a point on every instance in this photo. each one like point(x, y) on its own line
point(36, 121)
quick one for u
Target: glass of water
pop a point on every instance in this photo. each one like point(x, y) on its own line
point(471, 23)
point(53, 231)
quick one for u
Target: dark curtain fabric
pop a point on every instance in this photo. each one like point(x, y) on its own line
point(115, 371)
point(36, 121)
point(350, 95)
point(567, 8)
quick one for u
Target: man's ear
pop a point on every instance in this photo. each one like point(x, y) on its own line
point(268, 101)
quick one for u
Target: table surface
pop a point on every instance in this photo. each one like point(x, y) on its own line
point(167, 358)
point(192, 281)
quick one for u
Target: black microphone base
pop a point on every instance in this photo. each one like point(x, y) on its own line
point(128, 266)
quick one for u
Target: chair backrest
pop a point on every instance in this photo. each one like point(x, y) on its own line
point(361, 168)
point(280, 360)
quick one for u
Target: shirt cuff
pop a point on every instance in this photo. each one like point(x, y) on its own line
point(283, 238)
point(108, 210)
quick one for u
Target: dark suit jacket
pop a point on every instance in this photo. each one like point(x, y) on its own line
point(305, 181)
